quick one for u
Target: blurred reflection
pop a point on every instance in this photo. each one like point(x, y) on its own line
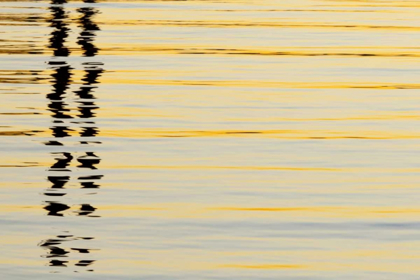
point(57, 250)
point(89, 27)
point(60, 25)
point(86, 105)
point(61, 78)
point(55, 208)
point(65, 122)
point(62, 162)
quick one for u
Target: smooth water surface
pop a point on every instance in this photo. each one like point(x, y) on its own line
point(207, 139)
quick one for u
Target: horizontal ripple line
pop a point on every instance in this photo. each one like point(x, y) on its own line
point(277, 134)
point(181, 23)
point(264, 266)
point(356, 52)
point(263, 84)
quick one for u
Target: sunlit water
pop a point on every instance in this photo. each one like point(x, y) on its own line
point(273, 139)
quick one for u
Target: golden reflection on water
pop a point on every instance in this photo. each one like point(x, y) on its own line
point(209, 139)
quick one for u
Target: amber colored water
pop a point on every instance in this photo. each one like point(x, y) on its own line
point(231, 139)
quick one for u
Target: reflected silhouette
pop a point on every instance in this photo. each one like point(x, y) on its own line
point(61, 77)
point(85, 93)
point(65, 123)
point(86, 37)
point(86, 210)
point(54, 247)
point(62, 163)
point(88, 182)
point(60, 33)
point(54, 208)
point(58, 182)
point(89, 160)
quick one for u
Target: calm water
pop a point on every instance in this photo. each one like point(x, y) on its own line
point(231, 139)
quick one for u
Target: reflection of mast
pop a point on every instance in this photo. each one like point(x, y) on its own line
point(86, 101)
point(61, 79)
point(88, 29)
point(59, 35)
point(55, 250)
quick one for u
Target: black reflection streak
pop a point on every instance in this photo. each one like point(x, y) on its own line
point(86, 38)
point(60, 33)
point(57, 250)
point(65, 123)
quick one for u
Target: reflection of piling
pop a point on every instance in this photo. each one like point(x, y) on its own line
point(65, 123)
point(61, 78)
point(56, 252)
point(86, 102)
point(60, 33)
point(86, 37)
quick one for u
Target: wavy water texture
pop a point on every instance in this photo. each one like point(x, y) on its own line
point(225, 139)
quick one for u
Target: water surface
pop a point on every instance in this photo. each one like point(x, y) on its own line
point(209, 139)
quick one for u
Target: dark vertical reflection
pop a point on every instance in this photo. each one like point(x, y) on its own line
point(58, 21)
point(89, 28)
point(86, 104)
point(61, 79)
point(65, 122)
point(57, 254)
